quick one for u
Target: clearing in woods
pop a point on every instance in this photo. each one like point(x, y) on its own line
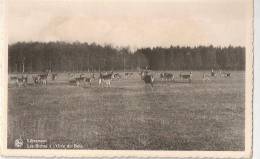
point(130, 115)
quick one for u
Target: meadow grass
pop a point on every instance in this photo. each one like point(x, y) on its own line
point(201, 115)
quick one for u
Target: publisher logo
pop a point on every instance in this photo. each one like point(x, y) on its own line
point(18, 143)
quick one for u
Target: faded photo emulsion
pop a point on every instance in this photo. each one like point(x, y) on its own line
point(94, 78)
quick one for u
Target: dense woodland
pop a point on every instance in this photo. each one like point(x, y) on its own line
point(62, 56)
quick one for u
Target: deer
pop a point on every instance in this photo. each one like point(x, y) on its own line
point(105, 79)
point(186, 76)
point(148, 79)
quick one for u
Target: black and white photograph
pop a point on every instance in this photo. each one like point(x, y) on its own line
point(168, 77)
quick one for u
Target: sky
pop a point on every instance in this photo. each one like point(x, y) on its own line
point(134, 23)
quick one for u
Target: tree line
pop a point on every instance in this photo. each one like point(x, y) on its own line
point(62, 56)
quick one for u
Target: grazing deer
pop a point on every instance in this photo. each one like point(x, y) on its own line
point(93, 76)
point(117, 76)
point(206, 77)
point(186, 76)
point(22, 81)
point(43, 78)
point(36, 79)
point(19, 82)
point(54, 76)
point(227, 74)
point(213, 74)
point(43, 81)
point(105, 79)
point(79, 80)
point(167, 76)
point(162, 76)
point(88, 80)
point(128, 74)
point(71, 76)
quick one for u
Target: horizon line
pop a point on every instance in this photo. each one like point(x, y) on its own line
point(126, 46)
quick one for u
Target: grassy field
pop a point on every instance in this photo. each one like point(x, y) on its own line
point(201, 115)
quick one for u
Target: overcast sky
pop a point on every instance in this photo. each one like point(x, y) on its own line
point(129, 23)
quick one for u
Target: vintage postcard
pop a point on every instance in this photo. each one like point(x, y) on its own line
point(126, 78)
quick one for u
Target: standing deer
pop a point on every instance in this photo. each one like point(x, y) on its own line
point(186, 76)
point(148, 79)
point(105, 79)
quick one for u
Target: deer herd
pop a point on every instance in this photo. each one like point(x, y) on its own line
point(104, 79)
